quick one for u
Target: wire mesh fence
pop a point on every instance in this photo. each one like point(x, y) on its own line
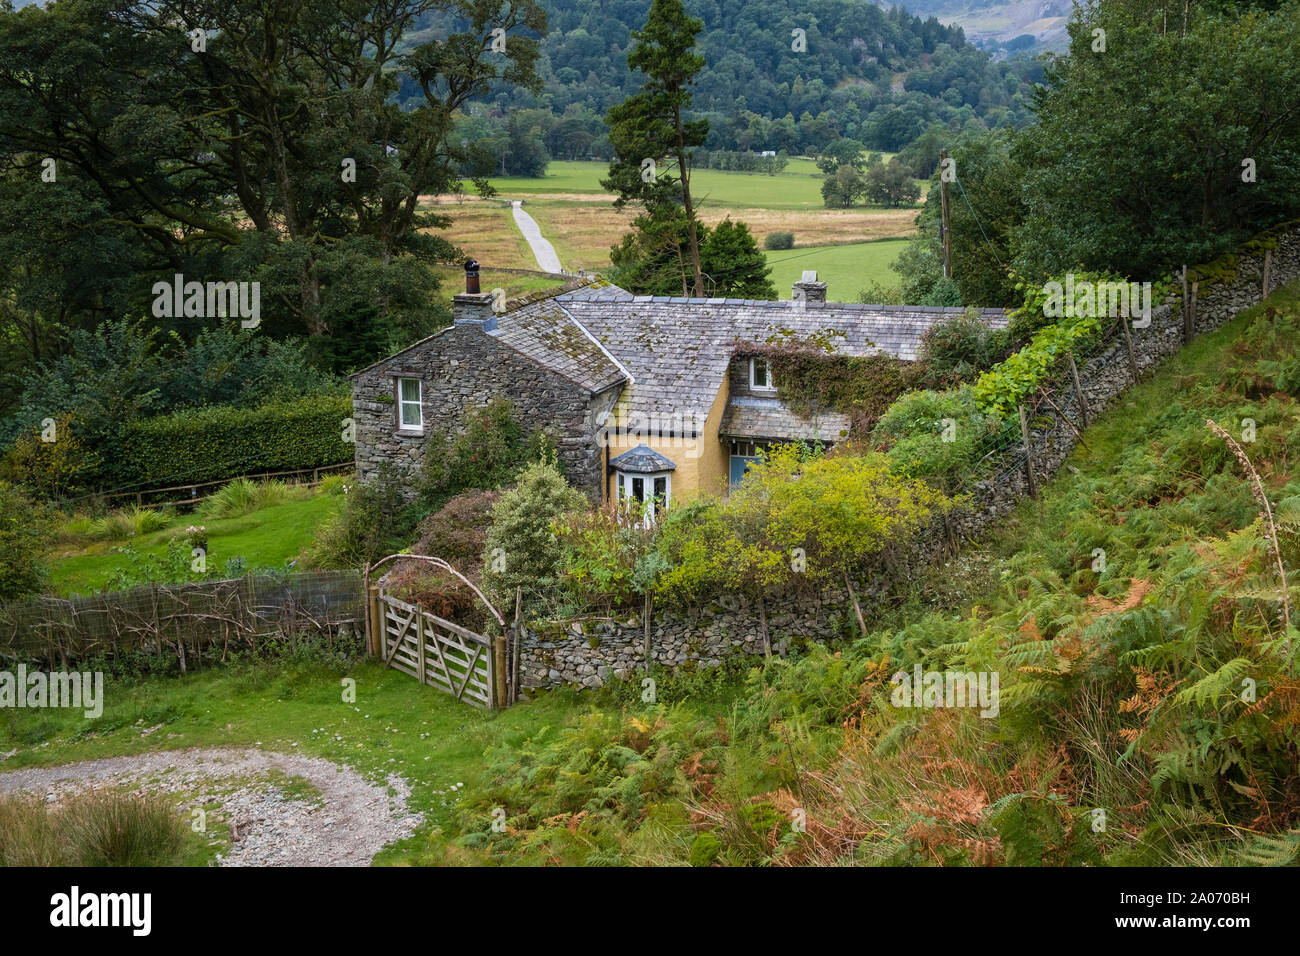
point(188, 620)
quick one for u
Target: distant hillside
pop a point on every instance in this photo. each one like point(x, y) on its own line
point(1006, 26)
point(875, 74)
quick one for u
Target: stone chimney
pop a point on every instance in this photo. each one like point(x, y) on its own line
point(473, 307)
point(808, 289)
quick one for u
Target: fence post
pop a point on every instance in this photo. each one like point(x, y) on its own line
point(1187, 311)
point(1196, 286)
point(1128, 343)
point(649, 607)
point(519, 630)
point(1029, 455)
point(1078, 390)
point(1268, 261)
point(499, 700)
point(374, 622)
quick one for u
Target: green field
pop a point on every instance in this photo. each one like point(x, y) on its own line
point(797, 187)
point(268, 538)
point(845, 269)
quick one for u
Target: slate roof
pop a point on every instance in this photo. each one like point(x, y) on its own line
point(546, 333)
point(677, 349)
point(768, 419)
point(643, 460)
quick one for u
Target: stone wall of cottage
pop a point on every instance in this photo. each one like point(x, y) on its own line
point(590, 654)
point(460, 369)
point(738, 380)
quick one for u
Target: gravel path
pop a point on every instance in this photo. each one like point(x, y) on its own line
point(543, 251)
point(349, 823)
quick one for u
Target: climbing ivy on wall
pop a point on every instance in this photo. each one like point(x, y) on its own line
point(809, 377)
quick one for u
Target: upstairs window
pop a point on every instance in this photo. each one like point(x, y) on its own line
point(760, 375)
point(410, 411)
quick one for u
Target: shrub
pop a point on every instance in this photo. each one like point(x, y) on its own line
point(439, 592)
point(51, 469)
point(127, 522)
point(798, 516)
point(938, 435)
point(608, 559)
point(486, 454)
point(457, 532)
point(522, 549)
point(877, 293)
point(778, 240)
point(371, 524)
point(336, 484)
point(211, 444)
point(959, 348)
point(244, 496)
point(24, 528)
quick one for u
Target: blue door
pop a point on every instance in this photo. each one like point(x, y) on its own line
point(739, 463)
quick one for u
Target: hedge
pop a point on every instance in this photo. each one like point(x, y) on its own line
point(223, 441)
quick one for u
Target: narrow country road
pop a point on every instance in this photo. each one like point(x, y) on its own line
point(543, 251)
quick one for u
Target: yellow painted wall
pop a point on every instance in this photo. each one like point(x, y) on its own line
point(702, 473)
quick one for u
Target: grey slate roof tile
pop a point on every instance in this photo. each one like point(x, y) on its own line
point(768, 419)
point(546, 333)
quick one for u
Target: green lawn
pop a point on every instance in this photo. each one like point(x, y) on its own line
point(846, 269)
point(269, 538)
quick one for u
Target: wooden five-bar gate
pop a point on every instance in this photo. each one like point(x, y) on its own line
point(479, 670)
point(439, 653)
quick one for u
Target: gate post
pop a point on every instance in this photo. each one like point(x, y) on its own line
point(499, 700)
point(374, 622)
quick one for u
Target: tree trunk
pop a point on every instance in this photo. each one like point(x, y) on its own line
point(693, 239)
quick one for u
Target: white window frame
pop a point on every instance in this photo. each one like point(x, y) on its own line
point(623, 489)
point(753, 365)
point(403, 402)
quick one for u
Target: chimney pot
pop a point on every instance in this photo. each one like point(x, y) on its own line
point(471, 277)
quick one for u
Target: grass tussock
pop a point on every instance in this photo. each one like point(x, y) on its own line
point(244, 496)
point(97, 828)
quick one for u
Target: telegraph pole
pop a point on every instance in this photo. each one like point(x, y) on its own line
point(943, 199)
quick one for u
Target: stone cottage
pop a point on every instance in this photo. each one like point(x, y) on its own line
point(650, 396)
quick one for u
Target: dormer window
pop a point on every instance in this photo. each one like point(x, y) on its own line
point(410, 409)
point(760, 375)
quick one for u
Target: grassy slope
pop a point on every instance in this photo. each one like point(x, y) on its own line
point(269, 538)
point(396, 725)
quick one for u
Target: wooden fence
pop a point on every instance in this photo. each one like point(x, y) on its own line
point(193, 488)
point(189, 620)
